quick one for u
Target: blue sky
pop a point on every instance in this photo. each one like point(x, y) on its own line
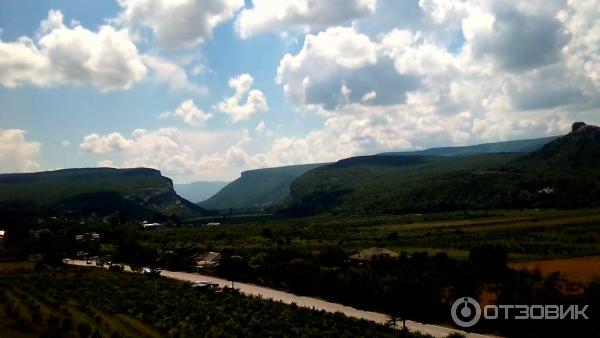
point(205, 89)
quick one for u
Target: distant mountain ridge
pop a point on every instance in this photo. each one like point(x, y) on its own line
point(515, 146)
point(199, 191)
point(136, 193)
point(258, 188)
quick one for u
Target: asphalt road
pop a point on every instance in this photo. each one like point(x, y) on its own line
point(308, 302)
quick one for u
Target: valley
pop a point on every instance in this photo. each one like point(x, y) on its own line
point(389, 238)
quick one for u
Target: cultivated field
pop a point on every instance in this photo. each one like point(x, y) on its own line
point(81, 302)
point(580, 269)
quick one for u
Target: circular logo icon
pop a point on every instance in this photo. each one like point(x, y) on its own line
point(465, 312)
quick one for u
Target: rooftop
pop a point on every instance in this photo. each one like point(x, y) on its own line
point(370, 253)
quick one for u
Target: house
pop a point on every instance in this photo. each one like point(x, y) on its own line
point(212, 224)
point(206, 259)
point(371, 253)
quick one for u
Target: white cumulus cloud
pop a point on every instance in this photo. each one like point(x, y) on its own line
point(256, 102)
point(299, 15)
point(106, 59)
point(179, 23)
point(189, 113)
point(171, 73)
point(340, 66)
point(105, 144)
point(17, 154)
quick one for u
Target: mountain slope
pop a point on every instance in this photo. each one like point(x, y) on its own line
point(199, 191)
point(516, 146)
point(257, 188)
point(578, 149)
point(376, 184)
point(563, 173)
point(136, 193)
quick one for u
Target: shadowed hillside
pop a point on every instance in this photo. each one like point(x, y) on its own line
point(258, 188)
point(136, 193)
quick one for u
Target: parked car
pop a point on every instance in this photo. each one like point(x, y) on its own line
point(150, 271)
point(205, 285)
point(88, 262)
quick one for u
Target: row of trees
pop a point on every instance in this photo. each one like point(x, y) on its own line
point(418, 286)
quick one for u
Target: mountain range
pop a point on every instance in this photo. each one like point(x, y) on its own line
point(515, 146)
point(260, 188)
point(546, 172)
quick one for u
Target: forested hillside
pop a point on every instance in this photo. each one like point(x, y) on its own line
point(563, 173)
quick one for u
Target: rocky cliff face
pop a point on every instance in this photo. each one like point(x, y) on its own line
point(582, 130)
point(578, 149)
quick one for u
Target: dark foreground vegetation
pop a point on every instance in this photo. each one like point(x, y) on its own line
point(310, 257)
point(443, 257)
point(98, 303)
